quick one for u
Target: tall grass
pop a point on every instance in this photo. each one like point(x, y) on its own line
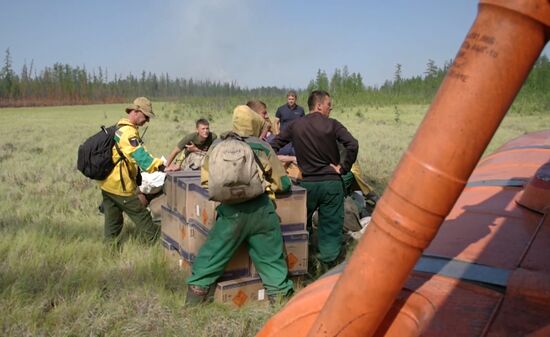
point(56, 276)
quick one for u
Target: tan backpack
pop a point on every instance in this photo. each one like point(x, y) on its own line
point(235, 174)
point(193, 161)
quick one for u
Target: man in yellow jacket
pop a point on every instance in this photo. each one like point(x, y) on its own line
point(119, 189)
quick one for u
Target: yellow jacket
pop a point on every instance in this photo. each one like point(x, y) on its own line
point(249, 124)
point(130, 144)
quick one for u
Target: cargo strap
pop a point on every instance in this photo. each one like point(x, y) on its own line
point(122, 157)
point(495, 278)
point(498, 182)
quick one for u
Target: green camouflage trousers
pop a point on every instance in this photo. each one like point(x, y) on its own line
point(115, 205)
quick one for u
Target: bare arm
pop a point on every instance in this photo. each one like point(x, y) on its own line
point(172, 155)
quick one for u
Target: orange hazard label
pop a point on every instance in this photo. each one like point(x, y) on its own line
point(291, 260)
point(240, 298)
point(204, 216)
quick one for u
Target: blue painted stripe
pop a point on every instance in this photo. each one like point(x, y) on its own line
point(252, 280)
point(194, 187)
point(184, 183)
point(173, 212)
point(198, 226)
point(175, 246)
point(292, 193)
point(295, 237)
point(293, 227)
point(233, 274)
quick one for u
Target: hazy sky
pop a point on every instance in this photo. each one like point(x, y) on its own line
point(254, 43)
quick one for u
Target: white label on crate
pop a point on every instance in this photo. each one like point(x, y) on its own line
point(197, 210)
point(261, 294)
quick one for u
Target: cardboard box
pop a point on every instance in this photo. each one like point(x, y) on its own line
point(240, 291)
point(292, 209)
point(238, 266)
point(296, 249)
point(170, 184)
point(156, 207)
point(181, 201)
point(196, 238)
point(173, 256)
point(173, 227)
point(200, 209)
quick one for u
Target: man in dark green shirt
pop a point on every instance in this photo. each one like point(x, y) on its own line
point(193, 145)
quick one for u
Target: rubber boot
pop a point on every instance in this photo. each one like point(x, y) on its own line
point(326, 266)
point(278, 299)
point(196, 295)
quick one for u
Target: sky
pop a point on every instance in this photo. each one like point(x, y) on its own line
point(251, 42)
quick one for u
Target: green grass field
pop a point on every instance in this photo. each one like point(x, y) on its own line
point(56, 276)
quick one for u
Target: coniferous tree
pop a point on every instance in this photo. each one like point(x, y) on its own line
point(431, 69)
point(397, 74)
point(8, 79)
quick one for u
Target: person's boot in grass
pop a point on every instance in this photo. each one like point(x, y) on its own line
point(327, 266)
point(196, 295)
point(278, 299)
point(313, 268)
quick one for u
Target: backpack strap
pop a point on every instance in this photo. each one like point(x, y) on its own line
point(259, 164)
point(122, 157)
point(125, 161)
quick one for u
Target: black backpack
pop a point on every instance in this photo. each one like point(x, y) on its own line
point(95, 155)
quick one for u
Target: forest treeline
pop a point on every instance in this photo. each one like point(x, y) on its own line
point(63, 84)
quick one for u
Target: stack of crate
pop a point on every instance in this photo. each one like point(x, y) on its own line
point(188, 216)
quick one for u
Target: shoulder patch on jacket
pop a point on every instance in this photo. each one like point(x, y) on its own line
point(134, 141)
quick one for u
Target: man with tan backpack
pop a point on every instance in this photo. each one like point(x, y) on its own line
point(242, 172)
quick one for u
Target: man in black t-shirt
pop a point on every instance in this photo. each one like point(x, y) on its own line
point(315, 138)
point(288, 112)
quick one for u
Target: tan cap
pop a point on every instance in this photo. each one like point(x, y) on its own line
point(142, 104)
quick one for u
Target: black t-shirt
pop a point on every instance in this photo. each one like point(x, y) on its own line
point(287, 114)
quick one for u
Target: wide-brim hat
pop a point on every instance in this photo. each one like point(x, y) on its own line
point(142, 104)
